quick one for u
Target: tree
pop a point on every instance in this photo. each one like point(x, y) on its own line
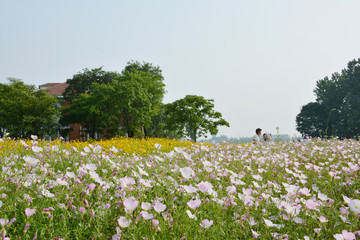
point(194, 117)
point(82, 81)
point(336, 111)
point(26, 111)
point(310, 120)
point(158, 127)
point(82, 111)
point(123, 106)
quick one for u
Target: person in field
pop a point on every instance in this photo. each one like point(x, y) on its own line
point(268, 138)
point(256, 137)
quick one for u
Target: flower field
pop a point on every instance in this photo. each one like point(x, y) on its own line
point(167, 189)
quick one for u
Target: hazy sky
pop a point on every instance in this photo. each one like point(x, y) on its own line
point(258, 59)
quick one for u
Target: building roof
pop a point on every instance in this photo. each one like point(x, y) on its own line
point(47, 85)
point(55, 89)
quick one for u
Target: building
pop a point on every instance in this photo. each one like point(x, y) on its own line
point(73, 131)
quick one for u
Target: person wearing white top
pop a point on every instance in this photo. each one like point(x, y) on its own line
point(256, 138)
point(268, 138)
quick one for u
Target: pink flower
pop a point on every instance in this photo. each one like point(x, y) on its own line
point(348, 235)
point(123, 222)
point(246, 192)
point(29, 212)
point(355, 205)
point(190, 189)
point(146, 215)
point(159, 207)
point(192, 216)
point(231, 190)
point(323, 219)
point(146, 205)
point(310, 204)
point(26, 227)
point(255, 234)
point(155, 222)
point(206, 223)
point(3, 221)
point(12, 221)
point(205, 186)
point(194, 203)
point(130, 204)
point(91, 186)
point(82, 209)
point(187, 172)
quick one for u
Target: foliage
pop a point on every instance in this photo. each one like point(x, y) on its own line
point(336, 111)
point(94, 190)
point(159, 127)
point(24, 110)
point(82, 111)
point(122, 106)
point(82, 82)
point(194, 117)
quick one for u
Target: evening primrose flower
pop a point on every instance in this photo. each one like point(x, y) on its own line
point(123, 222)
point(31, 160)
point(231, 190)
point(206, 223)
point(323, 219)
point(187, 172)
point(190, 189)
point(82, 209)
point(159, 207)
point(146, 215)
point(255, 234)
point(355, 205)
point(192, 216)
point(3, 221)
point(204, 187)
point(91, 186)
point(29, 212)
point(311, 204)
point(145, 206)
point(193, 204)
point(130, 204)
point(36, 149)
point(345, 235)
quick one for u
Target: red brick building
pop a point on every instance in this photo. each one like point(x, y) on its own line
point(56, 89)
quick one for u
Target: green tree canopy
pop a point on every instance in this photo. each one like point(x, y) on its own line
point(194, 116)
point(336, 111)
point(82, 81)
point(125, 105)
point(26, 111)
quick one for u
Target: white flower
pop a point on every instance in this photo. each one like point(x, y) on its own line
point(146, 215)
point(190, 189)
point(36, 149)
point(123, 222)
point(31, 160)
point(34, 137)
point(205, 186)
point(355, 205)
point(322, 197)
point(46, 193)
point(192, 216)
point(146, 205)
point(159, 207)
point(206, 223)
point(142, 172)
point(70, 174)
point(187, 172)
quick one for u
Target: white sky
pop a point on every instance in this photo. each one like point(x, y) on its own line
point(258, 59)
